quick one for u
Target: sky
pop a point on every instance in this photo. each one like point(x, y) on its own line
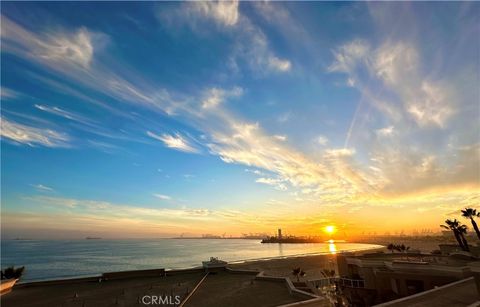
point(151, 119)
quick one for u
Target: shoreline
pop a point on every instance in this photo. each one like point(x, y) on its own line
point(235, 263)
point(379, 247)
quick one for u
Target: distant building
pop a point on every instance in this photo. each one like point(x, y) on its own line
point(279, 233)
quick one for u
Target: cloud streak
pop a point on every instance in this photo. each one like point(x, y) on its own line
point(397, 67)
point(176, 141)
point(32, 136)
point(8, 94)
point(41, 187)
point(162, 196)
point(251, 45)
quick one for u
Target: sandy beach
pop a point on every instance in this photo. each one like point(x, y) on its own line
point(282, 267)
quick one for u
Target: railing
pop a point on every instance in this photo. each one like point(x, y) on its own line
point(346, 282)
point(193, 291)
point(352, 283)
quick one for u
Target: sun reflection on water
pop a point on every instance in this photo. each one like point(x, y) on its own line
point(332, 248)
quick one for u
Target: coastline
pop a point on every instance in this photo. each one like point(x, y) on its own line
point(372, 249)
point(282, 265)
point(312, 264)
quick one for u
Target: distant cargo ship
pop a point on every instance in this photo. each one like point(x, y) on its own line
point(92, 238)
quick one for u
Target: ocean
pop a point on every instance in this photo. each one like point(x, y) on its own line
point(72, 258)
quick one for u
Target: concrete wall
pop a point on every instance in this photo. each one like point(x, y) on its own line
point(59, 281)
point(136, 273)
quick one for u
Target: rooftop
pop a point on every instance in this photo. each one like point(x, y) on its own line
point(222, 288)
point(459, 293)
point(415, 259)
point(226, 289)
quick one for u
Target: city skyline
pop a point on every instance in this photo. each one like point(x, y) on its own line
point(156, 119)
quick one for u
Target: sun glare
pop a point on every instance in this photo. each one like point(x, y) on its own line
point(330, 229)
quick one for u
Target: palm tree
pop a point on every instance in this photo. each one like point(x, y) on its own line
point(298, 273)
point(391, 247)
point(454, 227)
point(404, 248)
point(470, 213)
point(462, 230)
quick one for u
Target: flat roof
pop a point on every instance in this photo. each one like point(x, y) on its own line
point(229, 289)
point(459, 293)
point(415, 259)
point(222, 288)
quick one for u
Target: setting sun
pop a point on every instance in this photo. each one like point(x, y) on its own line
point(330, 229)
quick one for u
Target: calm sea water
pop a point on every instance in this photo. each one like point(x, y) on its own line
point(57, 259)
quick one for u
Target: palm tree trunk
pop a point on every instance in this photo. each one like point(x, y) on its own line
point(474, 224)
point(465, 243)
point(459, 240)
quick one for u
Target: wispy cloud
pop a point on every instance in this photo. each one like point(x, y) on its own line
point(63, 113)
point(176, 141)
point(285, 117)
point(125, 219)
point(224, 13)
point(247, 144)
point(74, 49)
point(42, 188)
point(397, 67)
point(411, 170)
point(279, 64)
point(255, 171)
point(162, 196)
point(279, 137)
point(253, 48)
point(104, 146)
point(251, 44)
point(71, 53)
point(215, 96)
point(277, 183)
point(387, 131)
point(32, 136)
point(322, 140)
point(341, 152)
point(7, 94)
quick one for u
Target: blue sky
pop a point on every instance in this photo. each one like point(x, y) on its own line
point(155, 119)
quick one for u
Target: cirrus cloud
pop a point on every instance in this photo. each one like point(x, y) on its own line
point(32, 136)
point(176, 141)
